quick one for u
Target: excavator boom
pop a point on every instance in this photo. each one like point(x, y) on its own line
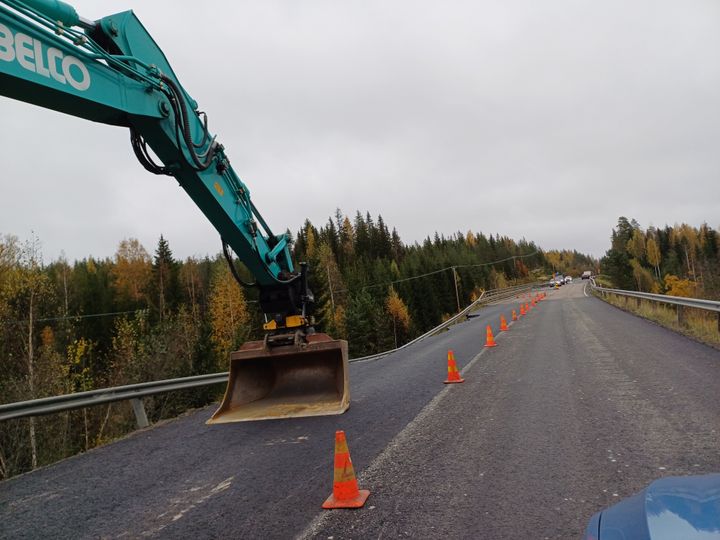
point(112, 71)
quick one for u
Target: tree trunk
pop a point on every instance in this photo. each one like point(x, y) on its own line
point(395, 331)
point(31, 379)
point(162, 293)
point(3, 467)
point(87, 435)
point(65, 289)
point(691, 266)
point(66, 428)
point(104, 423)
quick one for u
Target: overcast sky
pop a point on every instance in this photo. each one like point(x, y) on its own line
point(545, 120)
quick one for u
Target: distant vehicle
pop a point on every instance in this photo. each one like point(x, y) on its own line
point(587, 274)
point(670, 508)
point(560, 279)
point(568, 279)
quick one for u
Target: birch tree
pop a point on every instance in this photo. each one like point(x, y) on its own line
point(28, 287)
point(229, 315)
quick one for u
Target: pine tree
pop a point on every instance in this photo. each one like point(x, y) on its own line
point(360, 320)
point(384, 242)
point(347, 243)
point(397, 249)
point(362, 237)
point(164, 284)
point(616, 263)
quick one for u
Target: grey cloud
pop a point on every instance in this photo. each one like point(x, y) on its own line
point(543, 120)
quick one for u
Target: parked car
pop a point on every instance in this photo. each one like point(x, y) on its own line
point(568, 279)
point(673, 507)
point(587, 274)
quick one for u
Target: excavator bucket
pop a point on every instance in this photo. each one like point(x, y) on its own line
point(308, 378)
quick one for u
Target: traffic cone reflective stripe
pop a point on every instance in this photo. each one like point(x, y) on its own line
point(453, 373)
point(489, 339)
point(345, 488)
point(514, 315)
point(503, 324)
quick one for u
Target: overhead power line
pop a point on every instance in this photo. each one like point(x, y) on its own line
point(70, 317)
point(385, 284)
point(114, 313)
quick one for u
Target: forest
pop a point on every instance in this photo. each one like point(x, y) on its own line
point(140, 316)
point(74, 326)
point(678, 260)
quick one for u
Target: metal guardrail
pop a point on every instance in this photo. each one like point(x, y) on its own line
point(679, 302)
point(135, 392)
point(485, 298)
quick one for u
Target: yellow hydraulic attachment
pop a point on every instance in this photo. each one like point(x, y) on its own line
point(304, 375)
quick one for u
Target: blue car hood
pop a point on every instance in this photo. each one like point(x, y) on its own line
point(671, 508)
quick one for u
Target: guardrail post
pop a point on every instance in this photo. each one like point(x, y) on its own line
point(681, 315)
point(139, 410)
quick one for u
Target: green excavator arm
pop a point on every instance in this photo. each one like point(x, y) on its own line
point(111, 71)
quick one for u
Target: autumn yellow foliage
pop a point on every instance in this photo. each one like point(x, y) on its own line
point(229, 315)
point(397, 309)
point(132, 269)
point(674, 286)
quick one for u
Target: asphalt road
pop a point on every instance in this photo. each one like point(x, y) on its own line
point(580, 405)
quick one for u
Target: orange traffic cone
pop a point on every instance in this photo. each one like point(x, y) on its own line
point(533, 303)
point(527, 307)
point(453, 373)
point(345, 488)
point(522, 310)
point(514, 315)
point(503, 324)
point(489, 339)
